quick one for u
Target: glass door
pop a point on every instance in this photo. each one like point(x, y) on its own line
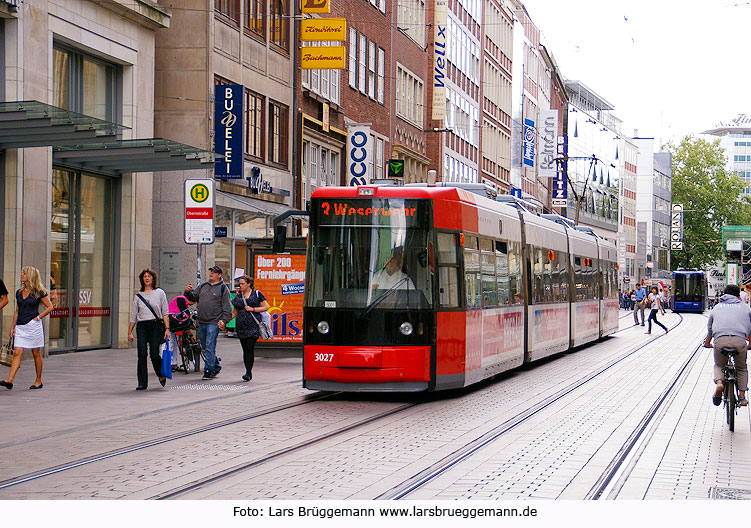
point(81, 261)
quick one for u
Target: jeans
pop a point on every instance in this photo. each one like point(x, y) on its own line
point(653, 317)
point(207, 333)
point(150, 334)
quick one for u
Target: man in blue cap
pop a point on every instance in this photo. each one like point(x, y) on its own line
point(641, 293)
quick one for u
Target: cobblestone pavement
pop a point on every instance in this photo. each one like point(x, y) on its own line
point(89, 407)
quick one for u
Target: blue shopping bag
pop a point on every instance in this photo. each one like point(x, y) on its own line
point(167, 360)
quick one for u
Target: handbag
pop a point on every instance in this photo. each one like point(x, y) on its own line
point(159, 320)
point(264, 325)
point(167, 360)
point(6, 353)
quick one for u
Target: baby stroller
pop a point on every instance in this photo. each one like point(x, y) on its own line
point(183, 326)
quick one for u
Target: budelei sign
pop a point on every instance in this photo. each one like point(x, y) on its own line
point(228, 126)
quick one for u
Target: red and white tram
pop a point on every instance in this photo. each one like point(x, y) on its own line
point(431, 288)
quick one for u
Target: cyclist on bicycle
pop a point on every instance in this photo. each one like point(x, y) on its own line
point(730, 326)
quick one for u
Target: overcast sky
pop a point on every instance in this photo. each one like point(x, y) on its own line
point(669, 67)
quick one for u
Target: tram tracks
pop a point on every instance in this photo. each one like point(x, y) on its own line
point(21, 479)
point(429, 474)
point(397, 492)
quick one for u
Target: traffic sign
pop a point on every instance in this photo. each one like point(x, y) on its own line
point(199, 211)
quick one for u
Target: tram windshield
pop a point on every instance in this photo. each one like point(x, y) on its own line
point(370, 253)
point(688, 288)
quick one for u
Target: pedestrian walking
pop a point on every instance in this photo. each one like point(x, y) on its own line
point(213, 306)
point(641, 303)
point(26, 328)
point(246, 305)
point(655, 300)
point(729, 324)
point(149, 317)
point(3, 295)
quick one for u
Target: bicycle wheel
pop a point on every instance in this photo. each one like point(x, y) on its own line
point(184, 354)
point(730, 404)
point(197, 356)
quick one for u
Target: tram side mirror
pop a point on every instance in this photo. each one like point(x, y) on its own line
point(422, 258)
point(280, 239)
point(320, 252)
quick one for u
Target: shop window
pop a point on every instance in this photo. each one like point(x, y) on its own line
point(250, 225)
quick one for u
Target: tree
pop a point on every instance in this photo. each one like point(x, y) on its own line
point(711, 196)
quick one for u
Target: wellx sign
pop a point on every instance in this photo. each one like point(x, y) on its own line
point(440, 20)
point(228, 131)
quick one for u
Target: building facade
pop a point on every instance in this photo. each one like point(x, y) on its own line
point(594, 162)
point(212, 44)
point(653, 205)
point(735, 138)
point(76, 188)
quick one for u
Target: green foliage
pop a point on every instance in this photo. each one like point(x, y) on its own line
point(711, 196)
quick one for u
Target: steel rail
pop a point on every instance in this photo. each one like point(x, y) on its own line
point(438, 468)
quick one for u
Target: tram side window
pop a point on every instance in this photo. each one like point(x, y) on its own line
point(514, 273)
point(472, 272)
point(502, 273)
point(547, 277)
point(581, 287)
point(561, 259)
point(448, 271)
point(538, 270)
point(487, 262)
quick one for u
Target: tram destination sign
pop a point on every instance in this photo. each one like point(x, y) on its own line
point(378, 211)
point(199, 211)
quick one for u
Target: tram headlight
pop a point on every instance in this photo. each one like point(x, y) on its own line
point(406, 329)
point(323, 327)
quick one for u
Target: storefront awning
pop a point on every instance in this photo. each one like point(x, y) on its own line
point(244, 203)
point(88, 143)
point(34, 124)
point(133, 155)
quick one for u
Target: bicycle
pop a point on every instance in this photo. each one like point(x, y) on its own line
point(188, 346)
point(730, 384)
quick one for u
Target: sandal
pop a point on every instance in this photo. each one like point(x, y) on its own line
point(717, 396)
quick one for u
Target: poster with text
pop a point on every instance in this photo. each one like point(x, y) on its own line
point(281, 279)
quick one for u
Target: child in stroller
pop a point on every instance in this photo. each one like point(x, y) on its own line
point(183, 336)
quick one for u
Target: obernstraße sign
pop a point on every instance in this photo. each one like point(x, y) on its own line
point(676, 227)
point(199, 211)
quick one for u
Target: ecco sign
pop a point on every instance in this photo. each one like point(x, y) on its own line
point(359, 152)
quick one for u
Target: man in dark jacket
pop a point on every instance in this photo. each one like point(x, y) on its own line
point(213, 307)
point(729, 325)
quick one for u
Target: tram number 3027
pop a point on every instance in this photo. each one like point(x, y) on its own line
point(324, 358)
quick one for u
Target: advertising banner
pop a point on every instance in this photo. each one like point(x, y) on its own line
point(560, 185)
point(322, 57)
point(323, 29)
point(548, 143)
point(359, 154)
point(316, 6)
point(528, 143)
point(281, 279)
point(676, 227)
point(440, 20)
point(228, 128)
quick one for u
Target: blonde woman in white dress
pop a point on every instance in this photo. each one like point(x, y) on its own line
point(26, 327)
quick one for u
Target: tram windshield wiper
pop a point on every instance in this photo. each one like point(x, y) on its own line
point(381, 297)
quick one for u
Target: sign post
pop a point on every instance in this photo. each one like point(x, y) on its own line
point(200, 197)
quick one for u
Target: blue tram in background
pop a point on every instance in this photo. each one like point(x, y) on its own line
point(689, 291)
